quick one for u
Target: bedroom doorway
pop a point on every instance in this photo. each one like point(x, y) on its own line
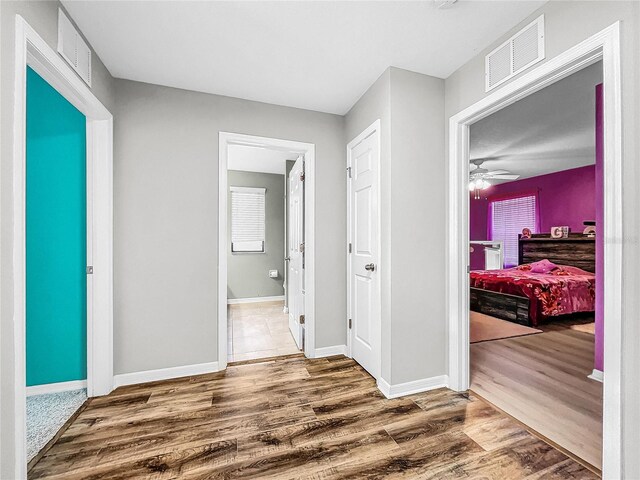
point(36, 59)
point(535, 351)
point(601, 47)
point(56, 258)
point(266, 248)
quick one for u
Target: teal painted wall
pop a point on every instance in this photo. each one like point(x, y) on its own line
point(56, 237)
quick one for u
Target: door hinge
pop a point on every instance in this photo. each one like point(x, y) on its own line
point(302, 248)
point(89, 269)
point(349, 172)
point(468, 268)
point(301, 319)
point(302, 177)
point(349, 324)
point(350, 247)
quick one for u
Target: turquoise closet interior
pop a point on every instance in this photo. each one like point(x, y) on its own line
point(56, 213)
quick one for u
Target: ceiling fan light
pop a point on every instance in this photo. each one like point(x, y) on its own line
point(475, 185)
point(479, 184)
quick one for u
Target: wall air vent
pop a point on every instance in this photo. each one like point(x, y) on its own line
point(521, 51)
point(73, 48)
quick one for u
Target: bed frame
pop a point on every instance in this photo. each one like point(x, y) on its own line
point(577, 250)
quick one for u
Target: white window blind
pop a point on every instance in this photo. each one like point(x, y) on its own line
point(247, 219)
point(508, 218)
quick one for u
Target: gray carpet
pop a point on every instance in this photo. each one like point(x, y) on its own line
point(47, 413)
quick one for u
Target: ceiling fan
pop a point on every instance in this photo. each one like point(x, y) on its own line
point(479, 177)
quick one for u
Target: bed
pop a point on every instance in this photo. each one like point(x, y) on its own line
point(519, 295)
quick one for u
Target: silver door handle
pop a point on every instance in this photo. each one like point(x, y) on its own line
point(370, 267)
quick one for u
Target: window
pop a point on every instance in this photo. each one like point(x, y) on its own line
point(508, 217)
point(247, 219)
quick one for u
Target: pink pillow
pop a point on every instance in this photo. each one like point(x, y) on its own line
point(543, 266)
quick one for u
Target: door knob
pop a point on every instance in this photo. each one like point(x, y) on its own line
point(370, 267)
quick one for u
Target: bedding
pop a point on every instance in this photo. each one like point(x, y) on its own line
point(561, 291)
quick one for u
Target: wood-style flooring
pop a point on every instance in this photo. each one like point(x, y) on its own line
point(295, 418)
point(258, 330)
point(541, 380)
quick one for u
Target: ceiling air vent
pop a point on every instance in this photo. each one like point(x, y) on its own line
point(516, 54)
point(73, 48)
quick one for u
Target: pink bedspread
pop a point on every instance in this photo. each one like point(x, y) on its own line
point(564, 290)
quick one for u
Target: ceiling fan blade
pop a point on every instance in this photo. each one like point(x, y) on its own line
point(503, 177)
point(499, 172)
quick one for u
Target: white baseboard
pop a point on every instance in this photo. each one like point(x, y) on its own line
point(330, 351)
point(164, 374)
point(235, 301)
point(416, 386)
point(597, 375)
point(56, 387)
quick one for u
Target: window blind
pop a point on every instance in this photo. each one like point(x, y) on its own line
point(247, 219)
point(508, 218)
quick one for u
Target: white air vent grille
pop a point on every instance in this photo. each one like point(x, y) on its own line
point(516, 54)
point(499, 65)
point(73, 48)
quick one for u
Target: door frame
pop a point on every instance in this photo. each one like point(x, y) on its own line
point(374, 127)
point(604, 46)
point(31, 50)
point(301, 148)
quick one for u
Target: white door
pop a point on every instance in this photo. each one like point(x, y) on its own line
point(295, 277)
point(364, 282)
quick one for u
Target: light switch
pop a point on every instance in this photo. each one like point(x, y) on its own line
point(273, 273)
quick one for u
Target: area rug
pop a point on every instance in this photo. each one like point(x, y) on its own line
point(484, 328)
point(585, 327)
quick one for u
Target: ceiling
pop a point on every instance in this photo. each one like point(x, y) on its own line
point(549, 131)
point(316, 55)
point(258, 159)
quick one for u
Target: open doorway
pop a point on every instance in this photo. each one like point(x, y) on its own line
point(536, 280)
point(603, 46)
point(266, 233)
point(265, 252)
point(62, 209)
point(56, 259)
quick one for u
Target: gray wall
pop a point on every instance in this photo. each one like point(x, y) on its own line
point(411, 108)
point(248, 273)
point(43, 17)
point(418, 341)
point(165, 214)
point(566, 24)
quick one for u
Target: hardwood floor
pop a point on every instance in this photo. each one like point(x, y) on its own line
point(258, 330)
point(295, 418)
point(542, 381)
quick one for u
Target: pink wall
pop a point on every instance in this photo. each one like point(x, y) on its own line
point(477, 229)
point(564, 198)
point(599, 348)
